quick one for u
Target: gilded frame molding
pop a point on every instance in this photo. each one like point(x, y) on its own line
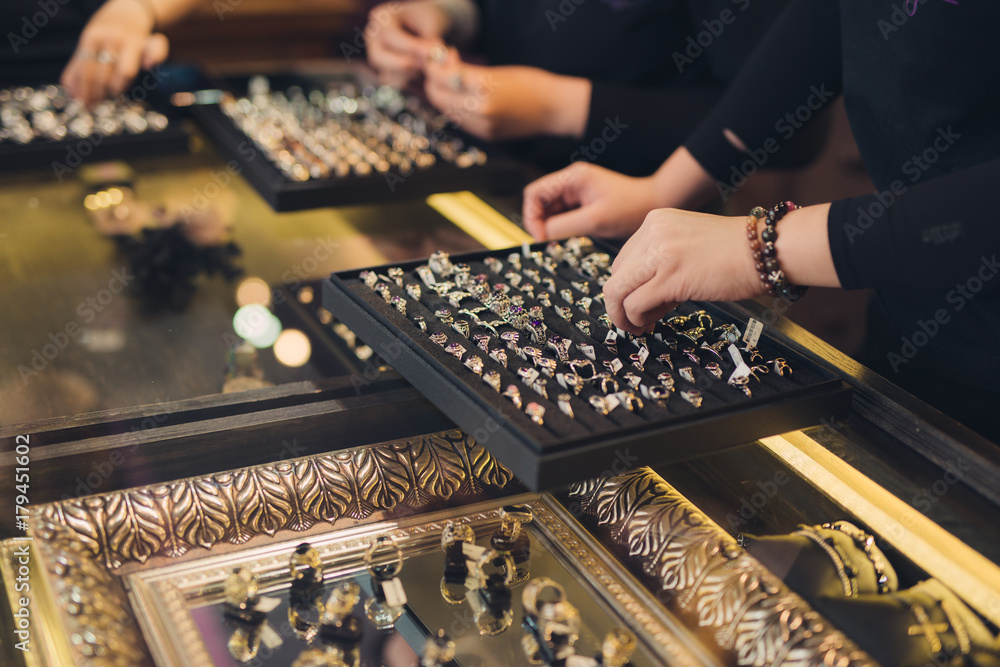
point(85, 546)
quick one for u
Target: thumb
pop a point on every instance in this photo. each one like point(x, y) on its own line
point(578, 222)
point(155, 51)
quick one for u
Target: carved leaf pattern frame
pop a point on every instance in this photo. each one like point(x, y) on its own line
point(715, 583)
point(82, 542)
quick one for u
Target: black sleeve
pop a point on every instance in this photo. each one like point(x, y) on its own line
point(933, 235)
point(792, 74)
point(639, 126)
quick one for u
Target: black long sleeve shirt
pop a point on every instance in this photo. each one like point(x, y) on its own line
point(38, 38)
point(657, 67)
point(922, 97)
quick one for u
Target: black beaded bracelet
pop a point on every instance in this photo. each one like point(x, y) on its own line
point(766, 257)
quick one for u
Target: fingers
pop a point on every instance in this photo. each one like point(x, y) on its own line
point(395, 52)
point(620, 286)
point(578, 222)
point(645, 305)
point(548, 196)
point(155, 51)
point(125, 68)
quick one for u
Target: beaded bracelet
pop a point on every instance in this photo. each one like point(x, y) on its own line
point(765, 253)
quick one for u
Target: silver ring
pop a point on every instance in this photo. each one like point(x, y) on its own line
point(107, 57)
point(438, 53)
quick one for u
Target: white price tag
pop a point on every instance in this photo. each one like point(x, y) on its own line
point(395, 596)
point(612, 402)
point(742, 370)
point(588, 351)
point(643, 354)
point(525, 250)
point(615, 365)
point(752, 334)
point(269, 637)
point(266, 605)
point(577, 660)
point(472, 551)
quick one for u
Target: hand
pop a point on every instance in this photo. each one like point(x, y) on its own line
point(508, 102)
point(401, 36)
point(117, 40)
point(677, 256)
point(584, 199)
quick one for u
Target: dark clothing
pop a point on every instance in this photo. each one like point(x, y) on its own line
point(39, 38)
point(652, 79)
point(922, 102)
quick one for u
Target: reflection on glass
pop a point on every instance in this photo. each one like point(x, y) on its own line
point(256, 324)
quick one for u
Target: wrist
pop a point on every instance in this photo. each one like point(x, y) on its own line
point(804, 247)
point(567, 105)
point(681, 182)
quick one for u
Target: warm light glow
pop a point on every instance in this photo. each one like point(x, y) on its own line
point(90, 203)
point(255, 324)
point(306, 294)
point(292, 348)
point(116, 195)
point(253, 290)
point(103, 199)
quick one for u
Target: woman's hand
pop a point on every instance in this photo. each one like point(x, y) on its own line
point(116, 42)
point(508, 102)
point(400, 38)
point(677, 256)
point(584, 199)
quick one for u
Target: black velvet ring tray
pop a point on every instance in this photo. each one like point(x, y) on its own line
point(500, 173)
point(564, 450)
point(65, 155)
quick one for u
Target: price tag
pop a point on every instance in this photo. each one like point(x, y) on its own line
point(643, 354)
point(267, 605)
point(612, 402)
point(742, 370)
point(473, 552)
point(269, 637)
point(395, 596)
point(525, 250)
point(588, 351)
point(752, 334)
point(577, 660)
point(611, 338)
point(614, 365)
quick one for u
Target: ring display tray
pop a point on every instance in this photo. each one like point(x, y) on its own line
point(326, 137)
point(555, 411)
point(65, 155)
